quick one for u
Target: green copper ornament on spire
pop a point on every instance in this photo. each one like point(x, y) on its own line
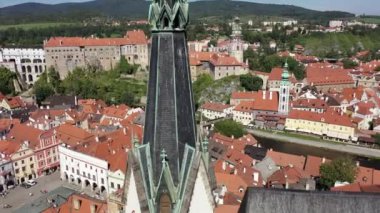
point(169, 15)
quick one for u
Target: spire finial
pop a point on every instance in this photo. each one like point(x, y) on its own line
point(164, 156)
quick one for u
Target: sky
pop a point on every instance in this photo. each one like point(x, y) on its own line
point(371, 7)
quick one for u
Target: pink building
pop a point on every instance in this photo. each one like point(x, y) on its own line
point(46, 152)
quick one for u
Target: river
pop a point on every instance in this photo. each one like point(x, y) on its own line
point(304, 150)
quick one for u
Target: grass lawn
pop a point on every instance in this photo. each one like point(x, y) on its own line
point(36, 25)
point(371, 20)
point(301, 136)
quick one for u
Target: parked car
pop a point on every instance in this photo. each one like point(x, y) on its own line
point(31, 182)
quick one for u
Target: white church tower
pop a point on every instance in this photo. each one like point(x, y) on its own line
point(283, 106)
point(236, 46)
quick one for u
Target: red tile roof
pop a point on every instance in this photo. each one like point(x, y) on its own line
point(244, 95)
point(310, 103)
point(262, 100)
point(328, 76)
point(8, 148)
point(132, 37)
point(233, 183)
point(72, 135)
point(226, 209)
point(313, 164)
point(224, 60)
point(21, 133)
point(357, 187)
point(85, 205)
point(218, 107)
point(6, 124)
point(14, 102)
point(329, 117)
point(288, 174)
point(276, 75)
point(283, 159)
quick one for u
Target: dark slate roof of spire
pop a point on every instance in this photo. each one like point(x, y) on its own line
point(291, 201)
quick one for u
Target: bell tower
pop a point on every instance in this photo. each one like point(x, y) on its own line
point(283, 106)
point(168, 172)
point(236, 46)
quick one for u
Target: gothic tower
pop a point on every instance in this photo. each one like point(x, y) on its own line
point(236, 46)
point(170, 171)
point(283, 107)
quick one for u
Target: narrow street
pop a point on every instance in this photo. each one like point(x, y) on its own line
point(340, 147)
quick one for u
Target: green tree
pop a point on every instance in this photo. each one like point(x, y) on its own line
point(42, 91)
point(250, 82)
point(230, 128)
point(6, 81)
point(349, 64)
point(341, 169)
point(125, 68)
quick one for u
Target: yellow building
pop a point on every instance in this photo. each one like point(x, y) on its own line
point(24, 163)
point(329, 124)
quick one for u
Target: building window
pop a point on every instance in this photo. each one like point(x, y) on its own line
point(93, 178)
point(17, 171)
point(15, 163)
point(118, 186)
point(112, 185)
point(23, 168)
point(67, 168)
point(102, 180)
point(31, 166)
point(22, 162)
point(78, 172)
point(31, 158)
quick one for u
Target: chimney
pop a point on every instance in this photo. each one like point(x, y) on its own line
point(125, 131)
point(97, 138)
point(76, 203)
point(244, 170)
point(270, 95)
point(357, 163)
point(235, 171)
point(264, 95)
point(323, 160)
point(224, 166)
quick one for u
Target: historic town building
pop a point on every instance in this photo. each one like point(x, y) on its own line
point(28, 63)
point(67, 53)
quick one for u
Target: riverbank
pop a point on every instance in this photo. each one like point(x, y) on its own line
point(308, 141)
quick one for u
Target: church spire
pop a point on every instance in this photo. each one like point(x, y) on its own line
point(167, 172)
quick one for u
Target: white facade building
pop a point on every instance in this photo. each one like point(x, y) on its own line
point(83, 170)
point(29, 63)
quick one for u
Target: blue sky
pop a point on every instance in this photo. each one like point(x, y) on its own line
point(354, 6)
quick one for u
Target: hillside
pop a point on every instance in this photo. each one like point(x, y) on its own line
point(133, 9)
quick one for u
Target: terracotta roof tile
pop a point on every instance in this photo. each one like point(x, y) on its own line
point(283, 159)
point(313, 164)
point(132, 37)
point(21, 133)
point(218, 107)
point(328, 76)
point(329, 117)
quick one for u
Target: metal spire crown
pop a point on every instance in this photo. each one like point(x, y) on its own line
point(169, 15)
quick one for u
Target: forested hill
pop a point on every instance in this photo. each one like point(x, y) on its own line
point(34, 12)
